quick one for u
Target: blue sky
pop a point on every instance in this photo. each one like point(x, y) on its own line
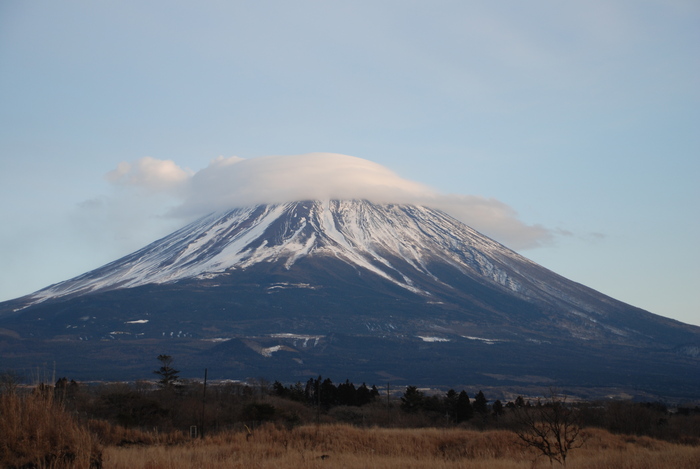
point(577, 121)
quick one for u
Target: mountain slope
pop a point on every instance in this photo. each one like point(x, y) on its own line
point(286, 288)
point(365, 235)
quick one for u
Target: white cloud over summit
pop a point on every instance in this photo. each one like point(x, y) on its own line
point(235, 182)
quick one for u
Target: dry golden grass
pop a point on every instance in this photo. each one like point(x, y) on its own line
point(116, 435)
point(350, 447)
point(36, 432)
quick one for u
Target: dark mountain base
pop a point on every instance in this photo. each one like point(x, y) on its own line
point(512, 369)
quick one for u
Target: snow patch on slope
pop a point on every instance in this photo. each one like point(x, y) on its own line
point(432, 339)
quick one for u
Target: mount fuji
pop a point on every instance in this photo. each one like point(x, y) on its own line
point(348, 289)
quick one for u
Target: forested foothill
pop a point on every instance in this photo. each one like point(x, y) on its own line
point(68, 424)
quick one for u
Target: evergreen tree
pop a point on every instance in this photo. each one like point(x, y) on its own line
point(480, 404)
point(363, 395)
point(168, 374)
point(347, 394)
point(329, 394)
point(497, 408)
point(311, 390)
point(463, 409)
point(412, 399)
point(296, 392)
point(279, 390)
point(451, 404)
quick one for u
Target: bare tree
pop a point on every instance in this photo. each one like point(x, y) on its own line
point(551, 427)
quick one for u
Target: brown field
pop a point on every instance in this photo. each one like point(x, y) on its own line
point(38, 432)
point(340, 446)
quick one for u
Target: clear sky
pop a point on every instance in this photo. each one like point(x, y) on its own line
point(576, 123)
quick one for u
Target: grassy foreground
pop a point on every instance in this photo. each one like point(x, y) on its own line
point(37, 432)
point(344, 446)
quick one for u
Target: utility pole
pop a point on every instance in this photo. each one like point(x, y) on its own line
point(204, 402)
point(388, 402)
point(318, 397)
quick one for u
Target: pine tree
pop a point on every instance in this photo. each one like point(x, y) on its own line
point(497, 408)
point(329, 394)
point(463, 410)
point(450, 403)
point(346, 393)
point(480, 404)
point(412, 399)
point(168, 374)
point(363, 395)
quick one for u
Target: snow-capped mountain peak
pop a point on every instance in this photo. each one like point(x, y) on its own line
point(395, 242)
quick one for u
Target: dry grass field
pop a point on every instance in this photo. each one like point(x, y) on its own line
point(339, 446)
point(37, 432)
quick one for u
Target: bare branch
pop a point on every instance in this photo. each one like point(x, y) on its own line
point(551, 427)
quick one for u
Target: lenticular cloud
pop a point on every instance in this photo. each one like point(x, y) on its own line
point(227, 183)
point(236, 182)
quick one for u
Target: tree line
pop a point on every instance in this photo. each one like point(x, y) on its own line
point(174, 403)
point(325, 394)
